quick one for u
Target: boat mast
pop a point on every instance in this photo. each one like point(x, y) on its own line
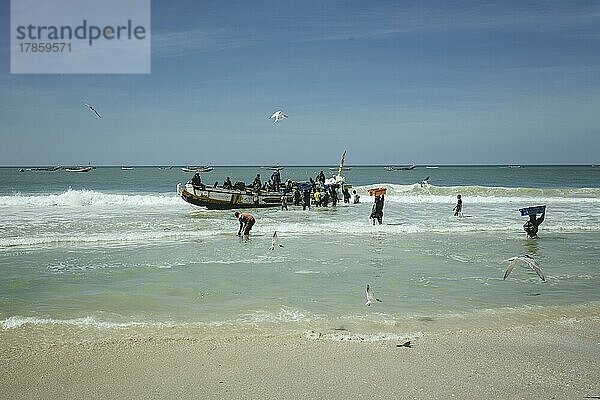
point(341, 163)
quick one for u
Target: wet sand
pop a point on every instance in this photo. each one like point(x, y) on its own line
point(548, 360)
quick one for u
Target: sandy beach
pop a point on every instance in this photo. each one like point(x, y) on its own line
point(550, 359)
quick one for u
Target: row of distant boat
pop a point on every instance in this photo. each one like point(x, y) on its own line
point(206, 168)
point(56, 168)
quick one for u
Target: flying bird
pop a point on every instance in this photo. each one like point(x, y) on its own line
point(278, 116)
point(527, 259)
point(92, 109)
point(371, 296)
point(275, 242)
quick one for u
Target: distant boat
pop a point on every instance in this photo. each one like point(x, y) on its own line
point(400, 168)
point(79, 169)
point(42, 169)
point(126, 168)
point(206, 168)
point(514, 166)
point(431, 167)
point(337, 168)
point(274, 168)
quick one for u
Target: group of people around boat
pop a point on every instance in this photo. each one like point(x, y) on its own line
point(321, 195)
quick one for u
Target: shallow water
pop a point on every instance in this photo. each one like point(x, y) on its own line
point(114, 248)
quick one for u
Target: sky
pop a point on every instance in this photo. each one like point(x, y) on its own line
point(391, 82)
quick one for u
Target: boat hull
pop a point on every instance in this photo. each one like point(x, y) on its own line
point(225, 199)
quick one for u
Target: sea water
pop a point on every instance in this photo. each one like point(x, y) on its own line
point(118, 248)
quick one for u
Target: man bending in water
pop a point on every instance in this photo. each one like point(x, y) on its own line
point(246, 222)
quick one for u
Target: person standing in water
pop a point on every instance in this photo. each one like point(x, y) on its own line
point(306, 199)
point(531, 227)
point(458, 207)
point(377, 210)
point(346, 194)
point(356, 197)
point(246, 222)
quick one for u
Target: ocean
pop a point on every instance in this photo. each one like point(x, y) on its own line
point(117, 249)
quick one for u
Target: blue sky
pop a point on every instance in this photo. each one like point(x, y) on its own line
point(426, 82)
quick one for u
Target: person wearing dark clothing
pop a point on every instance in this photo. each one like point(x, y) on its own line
point(334, 196)
point(196, 180)
point(531, 227)
point(321, 177)
point(257, 183)
point(313, 185)
point(246, 222)
point(458, 207)
point(346, 194)
point(356, 197)
point(377, 210)
point(297, 197)
point(306, 199)
point(227, 184)
point(284, 202)
point(325, 199)
point(276, 178)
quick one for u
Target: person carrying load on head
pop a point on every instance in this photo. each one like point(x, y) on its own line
point(531, 227)
point(377, 210)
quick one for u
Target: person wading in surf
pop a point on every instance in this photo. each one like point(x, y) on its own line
point(246, 222)
point(458, 207)
point(377, 211)
point(531, 227)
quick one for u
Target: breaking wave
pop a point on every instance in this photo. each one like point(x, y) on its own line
point(484, 193)
point(89, 198)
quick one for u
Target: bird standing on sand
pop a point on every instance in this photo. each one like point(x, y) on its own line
point(527, 259)
point(93, 109)
point(371, 296)
point(278, 116)
point(275, 242)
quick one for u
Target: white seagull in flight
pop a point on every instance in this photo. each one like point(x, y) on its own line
point(93, 109)
point(371, 296)
point(275, 242)
point(278, 116)
point(527, 259)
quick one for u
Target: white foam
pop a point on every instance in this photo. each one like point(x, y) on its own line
point(89, 198)
point(17, 322)
point(109, 238)
point(284, 315)
point(307, 272)
point(482, 194)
